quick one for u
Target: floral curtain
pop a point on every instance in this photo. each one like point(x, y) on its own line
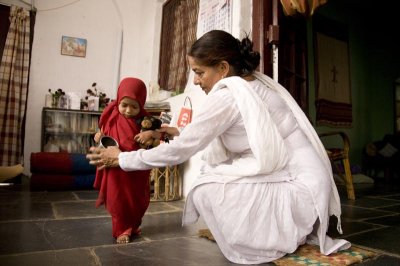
point(14, 71)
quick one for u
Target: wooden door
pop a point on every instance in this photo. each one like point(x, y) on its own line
point(291, 43)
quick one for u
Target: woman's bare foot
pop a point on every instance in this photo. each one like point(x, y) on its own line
point(123, 239)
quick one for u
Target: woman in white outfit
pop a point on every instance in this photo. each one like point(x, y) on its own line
point(266, 184)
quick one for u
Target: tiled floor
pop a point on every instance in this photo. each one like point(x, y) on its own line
point(64, 228)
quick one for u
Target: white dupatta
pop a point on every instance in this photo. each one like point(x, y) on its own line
point(309, 131)
point(327, 245)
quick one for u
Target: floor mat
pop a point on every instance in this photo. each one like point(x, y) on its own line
point(310, 255)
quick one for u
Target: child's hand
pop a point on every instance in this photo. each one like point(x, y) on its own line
point(144, 137)
point(98, 136)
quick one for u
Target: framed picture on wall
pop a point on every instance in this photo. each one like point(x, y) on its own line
point(73, 46)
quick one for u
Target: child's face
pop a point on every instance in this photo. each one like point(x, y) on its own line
point(128, 107)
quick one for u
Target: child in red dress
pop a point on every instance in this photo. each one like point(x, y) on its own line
point(126, 195)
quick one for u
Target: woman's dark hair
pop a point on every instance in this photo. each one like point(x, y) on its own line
point(217, 45)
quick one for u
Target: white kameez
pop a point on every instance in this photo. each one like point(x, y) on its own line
point(285, 201)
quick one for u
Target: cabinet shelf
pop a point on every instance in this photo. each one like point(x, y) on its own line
point(69, 111)
point(66, 130)
point(50, 133)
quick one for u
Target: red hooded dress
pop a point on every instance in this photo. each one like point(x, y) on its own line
point(126, 195)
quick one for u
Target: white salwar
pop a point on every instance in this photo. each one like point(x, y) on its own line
point(266, 185)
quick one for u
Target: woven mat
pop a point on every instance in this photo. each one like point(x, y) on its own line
point(310, 255)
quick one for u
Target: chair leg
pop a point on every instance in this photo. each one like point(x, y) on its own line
point(348, 179)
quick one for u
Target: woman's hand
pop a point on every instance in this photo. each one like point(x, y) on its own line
point(170, 131)
point(104, 158)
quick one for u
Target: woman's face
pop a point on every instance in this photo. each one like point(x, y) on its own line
point(128, 107)
point(205, 76)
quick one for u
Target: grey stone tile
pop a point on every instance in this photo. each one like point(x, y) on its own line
point(14, 197)
point(176, 203)
point(188, 251)
point(391, 208)
point(353, 212)
point(361, 190)
point(393, 220)
point(156, 207)
point(78, 257)
point(53, 196)
point(72, 233)
point(385, 190)
point(78, 209)
point(350, 228)
point(168, 225)
point(25, 211)
point(369, 202)
point(54, 235)
point(382, 260)
point(36, 196)
point(394, 197)
point(382, 239)
point(87, 194)
point(19, 237)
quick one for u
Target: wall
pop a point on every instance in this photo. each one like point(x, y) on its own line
point(102, 23)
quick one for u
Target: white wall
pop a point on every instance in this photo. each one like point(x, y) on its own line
point(101, 22)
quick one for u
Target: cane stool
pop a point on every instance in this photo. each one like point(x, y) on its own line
point(167, 184)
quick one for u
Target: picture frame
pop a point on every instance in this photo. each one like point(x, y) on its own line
point(73, 46)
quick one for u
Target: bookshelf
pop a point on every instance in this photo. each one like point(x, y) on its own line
point(67, 130)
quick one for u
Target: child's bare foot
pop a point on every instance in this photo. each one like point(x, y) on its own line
point(123, 239)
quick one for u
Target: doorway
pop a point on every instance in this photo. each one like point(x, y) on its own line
point(291, 42)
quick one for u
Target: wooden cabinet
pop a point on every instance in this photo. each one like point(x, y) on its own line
point(66, 130)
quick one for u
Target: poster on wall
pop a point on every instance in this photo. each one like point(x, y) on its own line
point(215, 15)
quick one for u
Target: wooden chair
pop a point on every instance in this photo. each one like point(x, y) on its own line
point(341, 155)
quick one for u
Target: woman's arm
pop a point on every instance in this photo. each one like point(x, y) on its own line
point(217, 114)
